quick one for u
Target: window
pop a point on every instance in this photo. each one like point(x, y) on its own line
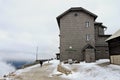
point(87, 24)
point(88, 37)
point(75, 14)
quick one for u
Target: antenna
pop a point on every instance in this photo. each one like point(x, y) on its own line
point(36, 53)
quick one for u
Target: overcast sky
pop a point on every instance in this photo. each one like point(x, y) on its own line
point(26, 24)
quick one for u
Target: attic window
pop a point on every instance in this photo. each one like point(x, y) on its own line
point(75, 14)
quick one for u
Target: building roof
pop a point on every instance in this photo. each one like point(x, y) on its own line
point(88, 46)
point(115, 35)
point(75, 9)
point(100, 23)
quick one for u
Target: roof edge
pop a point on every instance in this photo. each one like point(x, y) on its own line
point(115, 35)
point(75, 9)
point(100, 24)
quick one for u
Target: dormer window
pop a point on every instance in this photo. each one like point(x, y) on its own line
point(75, 14)
point(87, 24)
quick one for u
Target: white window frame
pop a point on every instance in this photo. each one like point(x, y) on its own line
point(87, 37)
point(87, 24)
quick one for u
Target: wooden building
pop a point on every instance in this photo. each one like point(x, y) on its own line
point(81, 37)
point(114, 47)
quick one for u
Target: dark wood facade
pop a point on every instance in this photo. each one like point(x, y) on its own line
point(114, 48)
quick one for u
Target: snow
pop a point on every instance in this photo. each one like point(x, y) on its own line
point(26, 69)
point(91, 71)
point(82, 71)
point(55, 62)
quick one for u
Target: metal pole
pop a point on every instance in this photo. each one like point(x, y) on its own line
point(36, 53)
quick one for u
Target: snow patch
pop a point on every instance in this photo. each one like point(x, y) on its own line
point(90, 71)
point(26, 69)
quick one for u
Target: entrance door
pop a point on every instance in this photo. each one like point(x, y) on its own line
point(89, 55)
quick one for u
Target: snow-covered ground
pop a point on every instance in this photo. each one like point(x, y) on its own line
point(98, 70)
point(91, 71)
point(20, 71)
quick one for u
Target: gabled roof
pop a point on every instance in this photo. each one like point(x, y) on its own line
point(75, 9)
point(88, 46)
point(115, 35)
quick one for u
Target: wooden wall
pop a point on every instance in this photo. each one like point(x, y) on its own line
point(114, 50)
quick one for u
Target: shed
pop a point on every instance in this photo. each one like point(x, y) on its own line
point(114, 48)
point(57, 56)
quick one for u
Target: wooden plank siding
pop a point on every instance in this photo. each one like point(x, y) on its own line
point(114, 46)
point(115, 59)
point(114, 50)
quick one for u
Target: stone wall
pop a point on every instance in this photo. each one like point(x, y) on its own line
point(64, 70)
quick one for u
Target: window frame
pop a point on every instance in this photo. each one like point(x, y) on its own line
point(87, 37)
point(87, 24)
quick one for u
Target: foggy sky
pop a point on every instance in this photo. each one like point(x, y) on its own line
point(26, 24)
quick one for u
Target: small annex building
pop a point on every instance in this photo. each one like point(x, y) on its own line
point(114, 47)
